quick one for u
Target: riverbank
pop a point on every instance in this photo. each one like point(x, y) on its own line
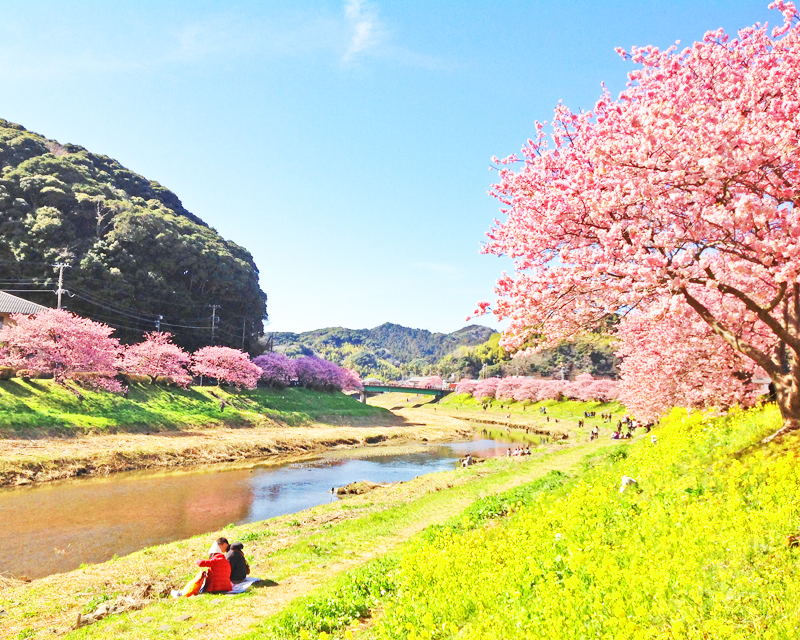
point(556, 419)
point(49, 432)
point(36, 460)
point(296, 553)
point(42, 408)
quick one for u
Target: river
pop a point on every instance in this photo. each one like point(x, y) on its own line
point(59, 526)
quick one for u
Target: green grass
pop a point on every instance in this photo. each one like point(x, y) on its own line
point(696, 550)
point(429, 500)
point(561, 409)
point(44, 405)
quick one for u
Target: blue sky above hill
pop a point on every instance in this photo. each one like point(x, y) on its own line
point(347, 144)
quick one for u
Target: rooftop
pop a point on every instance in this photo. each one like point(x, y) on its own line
point(13, 304)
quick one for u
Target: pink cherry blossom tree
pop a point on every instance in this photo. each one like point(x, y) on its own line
point(323, 375)
point(60, 343)
point(528, 389)
point(350, 380)
point(277, 370)
point(227, 365)
point(158, 356)
point(507, 387)
point(465, 385)
point(686, 189)
point(431, 382)
point(486, 388)
point(676, 359)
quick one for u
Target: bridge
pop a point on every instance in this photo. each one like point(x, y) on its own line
point(375, 389)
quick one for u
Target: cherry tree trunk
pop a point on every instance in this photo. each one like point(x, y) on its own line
point(787, 392)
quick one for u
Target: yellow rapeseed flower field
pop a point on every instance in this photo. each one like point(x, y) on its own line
point(696, 549)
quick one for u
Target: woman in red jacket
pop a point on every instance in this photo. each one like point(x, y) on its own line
point(219, 569)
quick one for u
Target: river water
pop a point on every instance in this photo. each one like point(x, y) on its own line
point(59, 526)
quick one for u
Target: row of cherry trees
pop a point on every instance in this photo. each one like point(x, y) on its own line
point(585, 387)
point(65, 346)
point(278, 370)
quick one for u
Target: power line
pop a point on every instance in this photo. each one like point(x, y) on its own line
point(29, 291)
point(117, 308)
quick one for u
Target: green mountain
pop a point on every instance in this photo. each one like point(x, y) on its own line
point(390, 350)
point(134, 252)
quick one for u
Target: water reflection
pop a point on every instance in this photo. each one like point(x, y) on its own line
point(60, 526)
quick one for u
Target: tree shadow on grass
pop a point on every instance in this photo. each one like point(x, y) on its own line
point(14, 388)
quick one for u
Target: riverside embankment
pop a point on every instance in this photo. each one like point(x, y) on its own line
point(294, 554)
point(49, 432)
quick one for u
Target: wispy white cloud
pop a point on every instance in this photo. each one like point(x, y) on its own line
point(355, 34)
point(365, 27)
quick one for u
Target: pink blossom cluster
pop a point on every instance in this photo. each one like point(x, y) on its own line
point(277, 370)
point(227, 365)
point(675, 359)
point(61, 344)
point(69, 347)
point(431, 382)
point(157, 356)
point(517, 388)
point(315, 373)
point(66, 346)
point(681, 194)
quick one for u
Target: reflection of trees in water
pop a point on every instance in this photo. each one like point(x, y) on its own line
point(90, 521)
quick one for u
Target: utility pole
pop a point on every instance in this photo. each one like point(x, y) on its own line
point(244, 324)
point(158, 323)
point(60, 266)
point(214, 321)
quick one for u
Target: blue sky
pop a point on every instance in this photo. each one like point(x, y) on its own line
point(346, 144)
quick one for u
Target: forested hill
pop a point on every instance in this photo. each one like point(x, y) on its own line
point(382, 349)
point(134, 252)
point(392, 352)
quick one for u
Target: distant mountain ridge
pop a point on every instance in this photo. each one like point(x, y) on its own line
point(388, 349)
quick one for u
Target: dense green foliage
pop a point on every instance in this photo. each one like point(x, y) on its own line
point(27, 405)
point(135, 252)
point(389, 351)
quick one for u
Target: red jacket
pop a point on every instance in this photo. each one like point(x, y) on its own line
point(219, 575)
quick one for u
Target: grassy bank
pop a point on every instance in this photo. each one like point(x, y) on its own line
point(30, 407)
point(52, 432)
point(299, 552)
point(699, 548)
point(561, 417)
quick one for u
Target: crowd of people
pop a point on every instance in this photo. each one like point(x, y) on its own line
point(519, 451)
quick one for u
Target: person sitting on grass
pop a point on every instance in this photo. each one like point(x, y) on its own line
point(239, 567)
point(219, 569)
